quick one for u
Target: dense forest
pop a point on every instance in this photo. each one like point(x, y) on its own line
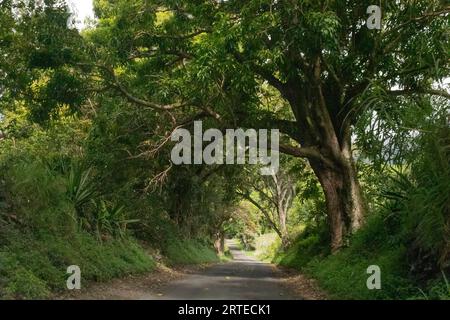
point(87, 122)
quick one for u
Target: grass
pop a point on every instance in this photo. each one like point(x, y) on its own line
point(266, 246)
point(34, 267)
point(344, 275)
point(189, 251)
point(47, 237)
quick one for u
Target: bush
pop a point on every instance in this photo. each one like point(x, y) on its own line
point(52, 217)
point(40, 235)
point(343, 275)
point(422, 197)
point(186, 251)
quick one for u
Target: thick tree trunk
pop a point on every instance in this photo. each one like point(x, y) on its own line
point(344, 202)
point(324, 123)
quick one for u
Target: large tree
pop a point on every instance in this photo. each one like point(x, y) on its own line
point(316, 61)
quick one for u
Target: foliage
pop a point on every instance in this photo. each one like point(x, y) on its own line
point(111, 220)
point(33, 266)
point(181, 251)
point(86, 119)
point(421, 202)
point(405, 235)
point(81, 189)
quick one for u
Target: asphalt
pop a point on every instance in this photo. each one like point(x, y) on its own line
point(243, 278)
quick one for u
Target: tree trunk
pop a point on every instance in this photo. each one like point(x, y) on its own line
point(344, 202)
point(326, 129)
point(219, 244)
point(282, 215)
point(355, 197)
point(283, 193)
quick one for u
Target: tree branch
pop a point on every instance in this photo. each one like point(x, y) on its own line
point(260, 71)
point(146, 103)
point(170, 36)
point(129, 96)
point(444, 10)
point(263, 211)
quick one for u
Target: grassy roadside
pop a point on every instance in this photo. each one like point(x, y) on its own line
point(344, 275)
point(35, 267)
point(190, 251)
point(50, 220)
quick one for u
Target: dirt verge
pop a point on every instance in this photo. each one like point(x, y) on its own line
point(133, 287)
point(301, 284)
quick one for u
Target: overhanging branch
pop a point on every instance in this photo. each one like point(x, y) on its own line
point(131, 98)
point(260, 71)
point(311, 153)
point(263, 211)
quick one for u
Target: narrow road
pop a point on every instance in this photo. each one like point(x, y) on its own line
point(244, 278)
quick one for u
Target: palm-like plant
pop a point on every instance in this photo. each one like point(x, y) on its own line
point(422, 198)
point(80, 190)
point(110, 220)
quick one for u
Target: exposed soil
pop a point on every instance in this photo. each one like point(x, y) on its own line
point(302, 285)
point(134, 287)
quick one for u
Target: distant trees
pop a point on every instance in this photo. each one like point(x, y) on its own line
point(273, 196)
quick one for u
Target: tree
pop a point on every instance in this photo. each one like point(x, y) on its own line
point(283, 191)
point(326, 64)
point(39, 58)
point(214, 60)
point(275, 194)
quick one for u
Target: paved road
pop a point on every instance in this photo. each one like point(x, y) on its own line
point(244, 278)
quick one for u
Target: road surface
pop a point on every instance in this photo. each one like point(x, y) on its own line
point(244, 278)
